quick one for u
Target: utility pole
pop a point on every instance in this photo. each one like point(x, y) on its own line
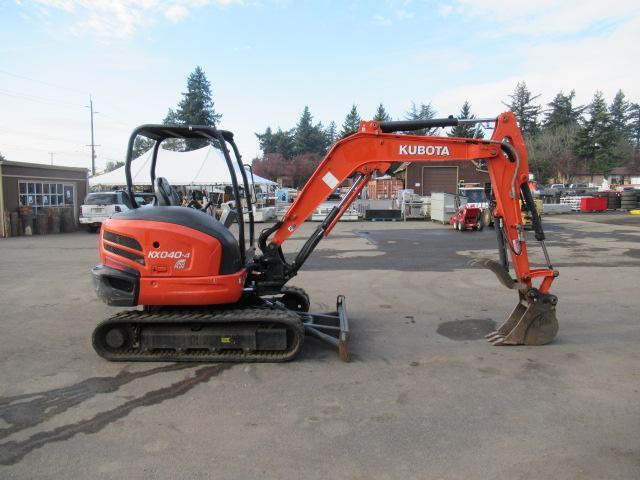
point(51, 153)
point(93, 144)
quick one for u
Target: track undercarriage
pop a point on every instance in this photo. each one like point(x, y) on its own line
point(271, 332)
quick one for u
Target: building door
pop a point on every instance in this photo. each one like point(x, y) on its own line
point(439, 179)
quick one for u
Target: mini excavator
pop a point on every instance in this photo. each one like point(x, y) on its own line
point(209, 296)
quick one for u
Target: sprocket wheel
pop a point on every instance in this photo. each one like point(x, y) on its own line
point(295, 299)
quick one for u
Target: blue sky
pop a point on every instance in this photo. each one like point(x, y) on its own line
point(268, 59)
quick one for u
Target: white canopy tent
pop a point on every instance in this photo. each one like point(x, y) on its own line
point(205, 166)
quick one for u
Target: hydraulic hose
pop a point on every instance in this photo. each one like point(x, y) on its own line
point(512, 153)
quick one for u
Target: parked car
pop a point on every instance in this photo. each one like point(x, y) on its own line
point(99, 206)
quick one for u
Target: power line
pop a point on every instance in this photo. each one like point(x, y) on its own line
point(123, 125)
point(34, 98)
point(5, 72)
point(42, 82)
point(45, 137)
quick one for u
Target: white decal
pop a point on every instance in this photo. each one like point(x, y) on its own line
point(166, 254)
point(441, 150)
point(330, 180)
point(180, 264)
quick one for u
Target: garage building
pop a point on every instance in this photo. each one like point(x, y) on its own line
point(40, 186)
point(425, 178)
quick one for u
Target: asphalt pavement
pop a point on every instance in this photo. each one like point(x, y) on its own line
point(424, 397)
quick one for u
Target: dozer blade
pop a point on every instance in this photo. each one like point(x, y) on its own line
point(533, 321)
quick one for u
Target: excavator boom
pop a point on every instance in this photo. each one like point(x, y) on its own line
point(378, 145)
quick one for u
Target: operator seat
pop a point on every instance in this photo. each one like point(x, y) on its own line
point(165, 193)
point(169, 211)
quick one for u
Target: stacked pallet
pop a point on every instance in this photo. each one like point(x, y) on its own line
point(384, 188)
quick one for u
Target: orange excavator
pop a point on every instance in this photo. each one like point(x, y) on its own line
point(209, 296)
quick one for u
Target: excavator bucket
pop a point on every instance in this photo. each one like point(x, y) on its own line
point(533, 321)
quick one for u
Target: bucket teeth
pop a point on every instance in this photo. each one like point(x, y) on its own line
point(494, 336)
point(532, 322)
point(496, 339)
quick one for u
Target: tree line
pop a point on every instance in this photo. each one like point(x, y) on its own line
point(295, 153)
point(563, 139)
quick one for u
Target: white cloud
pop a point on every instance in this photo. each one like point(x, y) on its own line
point(396, 16)
point(404, 14)
point(543, 17)
point(445, 10)
point(176, 13)
point(586, 63)
point(122, 18)
point(381, 20)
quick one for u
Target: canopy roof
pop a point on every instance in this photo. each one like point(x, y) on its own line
point(205, 166)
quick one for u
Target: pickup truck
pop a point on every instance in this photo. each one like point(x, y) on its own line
point(99, 206)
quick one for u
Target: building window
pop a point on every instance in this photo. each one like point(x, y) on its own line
point(40, 195)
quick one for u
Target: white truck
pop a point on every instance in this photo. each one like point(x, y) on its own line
point(99, 206)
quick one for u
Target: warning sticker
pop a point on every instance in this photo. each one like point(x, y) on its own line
point(330, 180)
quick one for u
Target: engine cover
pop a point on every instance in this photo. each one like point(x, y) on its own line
point(177, 264)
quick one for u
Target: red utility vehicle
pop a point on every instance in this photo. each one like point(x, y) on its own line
point(467, 218)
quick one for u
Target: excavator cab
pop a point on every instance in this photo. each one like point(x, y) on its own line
point(149, 249)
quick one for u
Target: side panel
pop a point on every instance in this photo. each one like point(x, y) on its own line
point(177, 265)
point(167, 250)
point(214, 290)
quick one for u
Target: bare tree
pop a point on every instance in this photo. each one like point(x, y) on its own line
point(552, 154)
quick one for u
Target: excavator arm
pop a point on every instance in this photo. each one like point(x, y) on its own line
point(378, 145)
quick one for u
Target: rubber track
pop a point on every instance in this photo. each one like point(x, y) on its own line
point(133, 318)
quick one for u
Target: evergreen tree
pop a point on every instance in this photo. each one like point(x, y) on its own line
point(195, 108)
point(621, 127)
point(265, 140)
point(596, 139)
point(142, 145)
point(526, 111)
point(467, 130)
point(634, 125)
point(308, 138)
point(619, 111)
point(351, 122)
point(110, 166)
point(562, 112)
point(381, 114)
point(280, 143)
point(422, 112)
point(331, 134)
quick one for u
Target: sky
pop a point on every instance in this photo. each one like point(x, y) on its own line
point(267, 59)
